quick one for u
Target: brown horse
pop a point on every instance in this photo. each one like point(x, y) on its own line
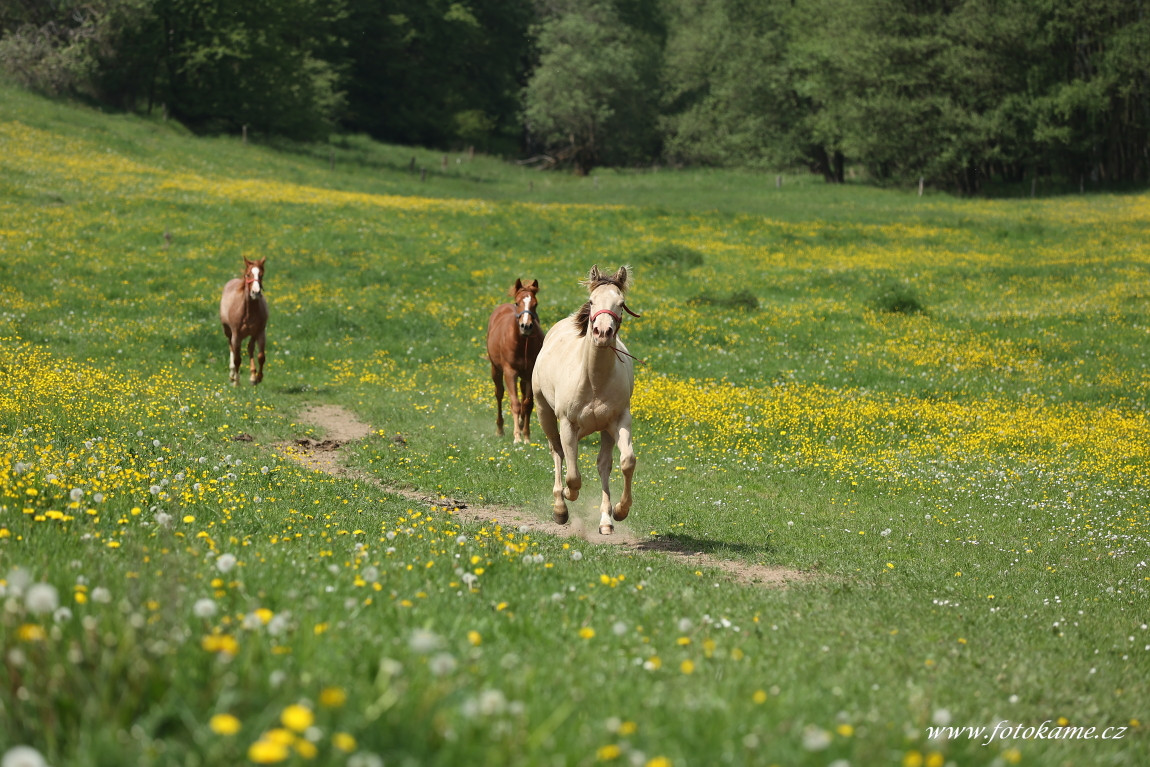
point(244, 314)
point(513, 342)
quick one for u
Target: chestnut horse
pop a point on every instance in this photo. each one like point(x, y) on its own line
point(244, 314)
point(513, 342)
point(583, 382)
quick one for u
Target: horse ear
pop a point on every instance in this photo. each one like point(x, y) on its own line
point(622, 278)
point(533, 285)
point(516, 287)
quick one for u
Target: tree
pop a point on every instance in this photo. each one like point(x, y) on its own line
point(592, 95)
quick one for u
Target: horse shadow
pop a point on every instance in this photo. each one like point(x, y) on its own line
point(678, 543)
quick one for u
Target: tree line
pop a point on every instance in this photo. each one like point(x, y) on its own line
point(959, 93)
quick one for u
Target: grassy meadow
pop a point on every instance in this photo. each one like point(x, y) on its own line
point(935, 408)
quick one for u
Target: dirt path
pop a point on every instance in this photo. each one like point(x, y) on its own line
point(340, 426)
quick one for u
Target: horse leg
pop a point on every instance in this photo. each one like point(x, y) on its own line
point(606, 448)
point(550, 426)
point(257, 376)
point(626, 464)
point(513, 399)
point(569, 437)
point(497, 377)
point(526, 405)
point(233, 356)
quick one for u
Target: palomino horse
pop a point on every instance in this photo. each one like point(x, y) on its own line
point(583, 382)
point(513, 342)
point(244, 314)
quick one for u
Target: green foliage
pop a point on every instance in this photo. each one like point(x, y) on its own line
point(738, 299)
point(897, 298)
point(674, 255)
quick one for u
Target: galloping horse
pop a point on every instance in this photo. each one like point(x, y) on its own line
point(583, 382)
point(513, 342)
point(244, 314)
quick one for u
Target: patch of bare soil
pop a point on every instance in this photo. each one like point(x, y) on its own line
point(341, 426)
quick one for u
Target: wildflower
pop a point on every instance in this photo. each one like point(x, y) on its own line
point(424, 642)
point(687, 667)
point(442, 664)
point(332, 697)
point(101, 595)
point(41, 598)
point(226, 562)
point(815, 738)
point(265, 751)
point(22, 756)
point(760, 697)
point(474, 637)
point(204, 608)
point(224, 724)
point(296, 717)
point(587, 632)
point(607, 753)
point(659, 761)
point(343, 742)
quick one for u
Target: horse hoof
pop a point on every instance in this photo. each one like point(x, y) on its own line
point(620, 513)
point(560, 517)
point(606, 529)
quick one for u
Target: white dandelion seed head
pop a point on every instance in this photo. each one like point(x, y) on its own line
point(619, 629)
point(101, 595)
point(492, 702)
point(76, 493)
point(23, 756)
point(370, 574)
point(252, 622)
point(685, 625)
point(941, 717)
point(279, 623)
point(364, 759)
point(18, 581)
point(41, 598)
point(205, 608)
point(226, 562)
point(576, 555)
point(815, 738)
point(62, 615)
point(442, 664)
point(277, 677)
point(424, 642)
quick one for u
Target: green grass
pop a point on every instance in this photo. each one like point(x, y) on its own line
point(966, 484)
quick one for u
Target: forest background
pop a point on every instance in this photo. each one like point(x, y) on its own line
point(964, 95)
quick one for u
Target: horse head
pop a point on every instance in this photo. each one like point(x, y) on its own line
point(526, 306)
point(253, 277)
point(603, 312)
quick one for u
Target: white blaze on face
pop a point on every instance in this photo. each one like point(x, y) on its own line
point(255, 280)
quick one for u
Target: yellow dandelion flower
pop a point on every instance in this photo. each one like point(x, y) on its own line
point(587, 632)
point(343, 742)
point(30, 632)
point(474, 637)
point(759, 697)
point(298, 718)
point(224, 724)
point(332, 697)
point(845, 730)
point(267, 752)
point(659, 761)
point(607, 753)
point(687, 667)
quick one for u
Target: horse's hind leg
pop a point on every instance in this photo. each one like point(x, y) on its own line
point(606, 448)
point(497, 377)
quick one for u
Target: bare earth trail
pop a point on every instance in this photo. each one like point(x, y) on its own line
point(340, 427)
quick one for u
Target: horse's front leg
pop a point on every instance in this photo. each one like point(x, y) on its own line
point(234, 356)
point(551, 429)
point(257, 372)
point(513, 399)
point(569, 437)
point(606, 448)
point(497, 378)
point(526, 406)
point(626, 464)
